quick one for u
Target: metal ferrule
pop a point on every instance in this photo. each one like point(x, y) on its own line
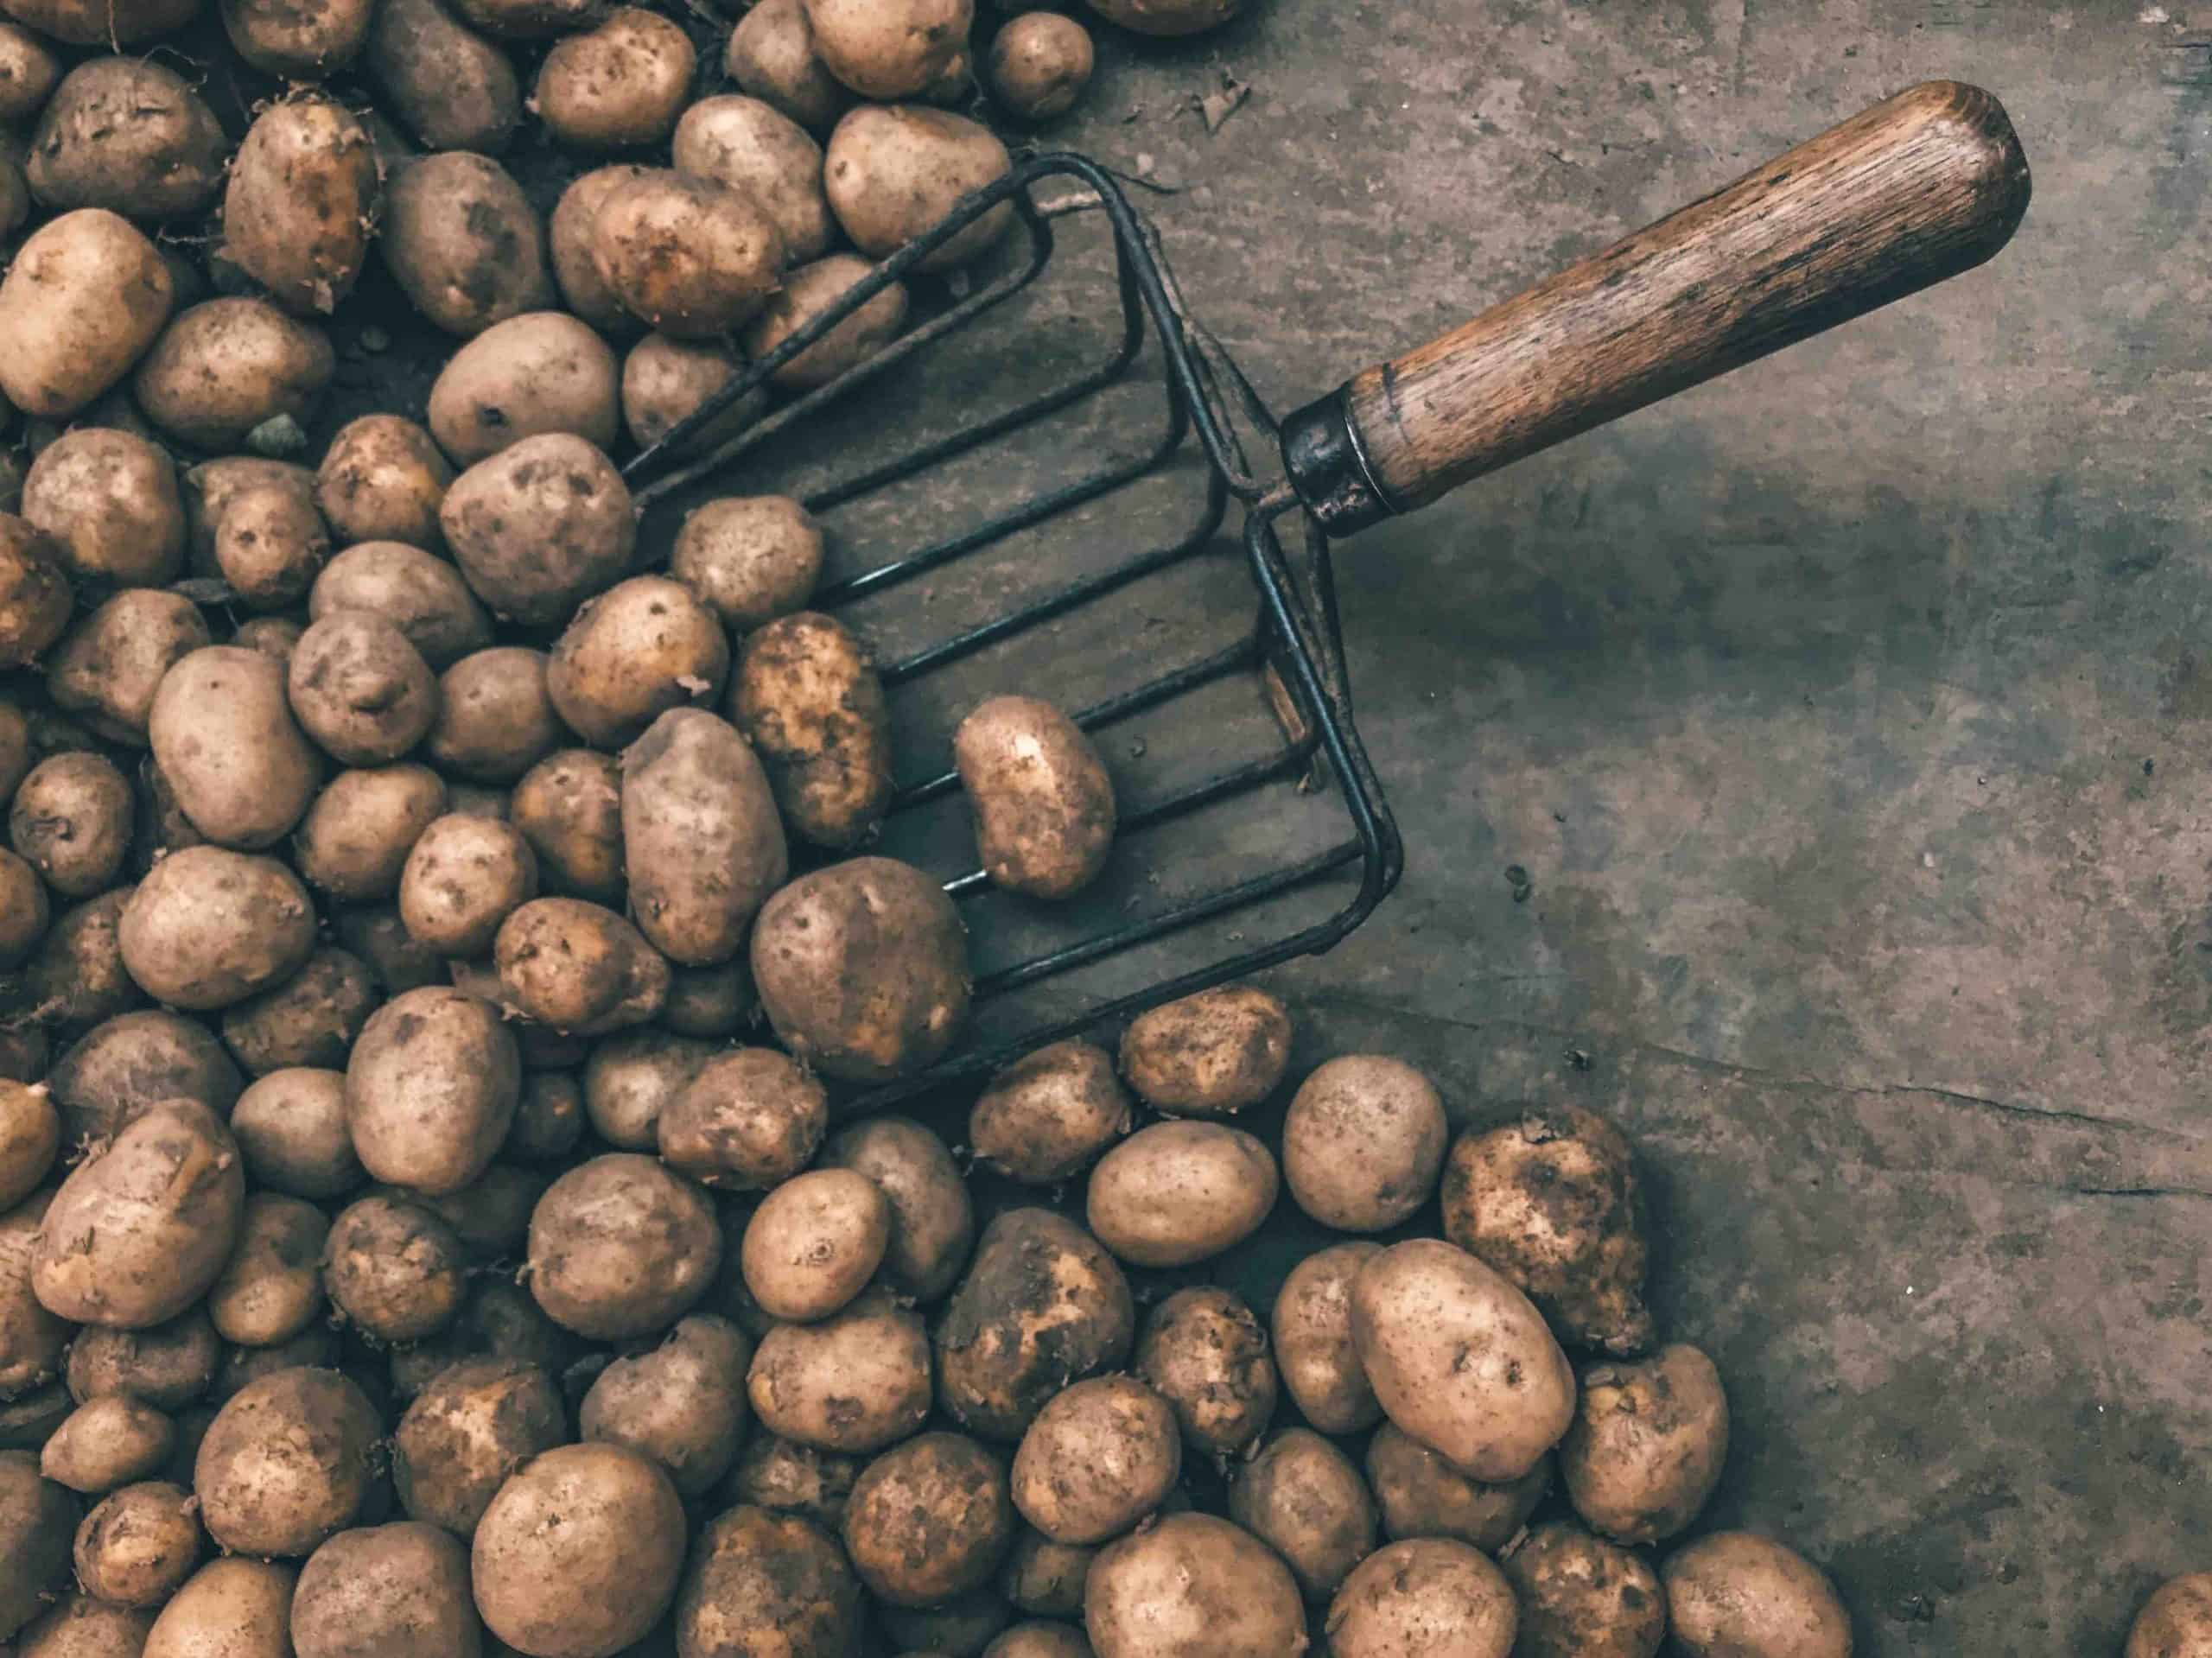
point(1321, 453)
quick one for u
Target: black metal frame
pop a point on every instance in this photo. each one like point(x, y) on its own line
point(1296, 636)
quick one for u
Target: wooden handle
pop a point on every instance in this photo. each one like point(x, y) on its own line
point(1921, 186)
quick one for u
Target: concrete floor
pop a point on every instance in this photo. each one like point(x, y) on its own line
point(1849, 717)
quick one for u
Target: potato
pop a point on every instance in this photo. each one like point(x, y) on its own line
point(617, 85)
point(138, 1545)
point(209, 927)
point(1303, 1497)
point(749, 558)
point(76, 979)
point(77, 1626)
point(36, 1518)
point(272, 1287)
point(1394, 1602)
point(465, 876)
point(393, 1268)
point(269, 548)
point(1210, 1054)
point(1040, 62)
point(380, 938)
point(282, 40)
point(572, 235)
point(228, 1609)
point(853, 1383)
point(771, 56)
point(682, 1404)
point(85, 296)
point(130, 136)
point(1206, 1354)
point(360, 688)
point(286, 1463)
point(763, 1582)
point(2174, 1622)
point(1421, 1495)
point(620, 1247)
point(1459, 1359)
point(807, 697)
point(1039, 1638)
point(430, 1090)
point(1168, 17)
point(224, 367)
point(578, 968)
point(690, 259)
point(491, 1218)
point(966, 1624)
point(495, 720)
point(209, 488)
point(35, 597)
point(464, 243)
point(701, 837)
point(1583, 1598)
point(932, 1223)
point(539, 527)
point(630, 1080)
point(1192, 1586)
point(33, 1340)
point(25, 909)
point(568, 807)
point(863, 969)
point(1179, 1192)
point(466, 1433)
point(222, 732)
point(354, 841)
point(806, 293)
point(30, 1138)
point(14, 747)
point(540, 375)
point(887, 51)
point(450, 87)
point(275, 637)
point(1043, 1120)
point(664, 381)
point(524, 20)
point(71, 823)
point(814, 1243)
point(499, 1320)
point(1552, 1202)
point(928, 1520)
point(301, 202)
point(1044, 1579)
point(1042, 1305)
point(28, 1421)
point(395, 1591)
point(23, 1052)
point(782, 1474)
point(159, 826)
point(110, 499)
point(290, 1127)
point(1647, 1444)
point(315, 1348)
point(1735, 1591)
point(750, 146)
point(1098, 1459)
point(423, 596)
point(131, 1061)
point(381, 480)
point(579, 1553)
point(107, 1443)
point(166, 1366)
point(1363, 1142)
point(891, 173)
point(29, 71)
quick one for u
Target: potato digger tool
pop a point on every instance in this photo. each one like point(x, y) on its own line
point(1929, 183)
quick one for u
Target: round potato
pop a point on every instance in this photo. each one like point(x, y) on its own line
point(620, 1247)
point(33, 1340)
point(465, 876)
point(692, 258)
point(538, 527)
point(1204, 1353)
point(568, 807)
point(462, 240)
point(1582, 1597)
point(1423, 1496)
point(701, 838)
point(1192, 1586)
point(1040, 62)
point(1098, 1459)
point(139, 1544)
point(1044, 1579)
point(296, 43)
point(210, 488)
point(77, 978)
point(932, 1223)
point(495, 720)
point(771, 56)
point(1042, 1305)
point(807, 697)
point(381, 480)
point(894, 172)
point(466, 1433)
point(166, 1366)
point(269, 548)
point(1302, 1497)
point(128, 135)
point(617, 85)
point(782, 1474)
point(430, 1090)
point(573, 233)
point(763, 1582)
point(286, 1463)
point(578, 968)
point(360, 688)
point(814, 1243)
point(272, 1287)
point(227, 1608)
point(600, 1521)
point(682, 1404)
point(853, 1383)
point(887, 51)
point(450, 87)
point(396, 1590)
point(71, 821)
point(83, 298)
point(1647, 1444)
point(1210, 1054)
point(747, 144)
point(29, 71)
point(109, 498)
point(534, 375)
point(1179, 1192)
point(1394, 1601)
point(1168, 17)
point(1732, 1591)
point(25, 911)
point(354, 841)
point(30, 1138)
point(806, 293)
point(863, 969)
point(642, 648)
point(227, 366)
point(107, 1443)
point(35, 597)
point(749, 559)
point(664, 381)
point(209, 927)
point(1552, 1202)
point(222, 732)
point(1460, 1359)
point(928, 1520)
point(1363, 1142)
point(747, 1121)
point(302, 203)
point(423, 596)
point(1045, 1119)
point(131, 1061)
point(290, 1129)
point(393, 1268)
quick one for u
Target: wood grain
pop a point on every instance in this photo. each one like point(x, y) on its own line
point(1921, 186)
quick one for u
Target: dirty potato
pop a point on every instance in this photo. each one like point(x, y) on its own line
point(106, 1442)
point(272, 1287)
point(1210, 1054)
point(126, 1063)
point(573, 236)
point(568, 807)
point(297, 42)
point(807, 697)
point(78, 974)
point(1044, 1579)
point(1168, 17)
point(782, 1474)
point(29, 71)
point(208, 927)
point(928, 1520)
point(1098, 1459)
point(617, 85)
point(1732, 1591)
point(1206, 1354)
point(539, 527)
point(430, 1090)
point(290, 1127)
point(465, 876)
point(110, 499)
point(1302, 1497)
point(222, 733)
point(692, 258)
point(807, 292)
point(269, 548)
point(393, 1269)
point(245, 1606)
point(666, 382)
point(1394, 1601)
point(168, 1365)
point(748, 1120)
point(1647, 1444)
point(1192, 1586)
point(932, 1222)
point(771, 56)
point(394, 1591)
point(1179, 1192)
point(620, 1247)
point(381, 480)
point(25, 909)
point(223, 367)
point(139, 1544)
point(1421, 1494)
point(34, 1340)
point(107, 668)
point(1363, 1142)
point(630, 1080)
point(466, 1433)
point(527, 377)
point(423, 596)
point(286, 1463)
point(893, 49)
point(495, 719)
point(893, 172)
point(749, 145)
point(700, 839)
point(578, 968)
point(1583, 1598)
point(1040, 62)
point(682, 1404)
point(463, 242)
point(850, 1385)
point(1046, 1118)
point(85, 295)
point(763, 1582)
point(359, 688)
point(70, 821)
point(450, 87)
point(35, 597)
point(749, 558)
point(128, 135)
point(302, 203)
point(354, 841)
point(30, 1138)
point(814, 1242)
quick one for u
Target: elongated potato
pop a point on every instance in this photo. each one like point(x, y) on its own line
point(527, 376)
point(1582, 1597)
point(620, 1247)
point(692, 258)
point(853, 1383)
point(463, 241)
point(138, 1233)
point(222, 732)
point(1210, 1054)
point(573, 237)
point(423, 596)
point(430, 1090)
point(381, 480)
point(450, 87)
point(1302, 1497)
point(749, 145)
point(1421, 1494)
point(1647, 1445)
point(1396, 1598)
point(130, 136)
point(807, 697)
point(295, 43)
point(110, 499)
point(579, 967)
point(932, 1222)
point(1732, 1591)
point(892, 172)
point(209, 927)
point(763, 1582)
point(1179, 1192)
point(84, 297)
point(1204, 1352)
point(35, 597)
point(617, 84)
point(806, 293)
point(301, 202)
point(1192, 1586)
point(272, 1287)
point(538, 527)
point(1460, 1359)
point(568, 807)
point(929, 1519)
point(700, 836)
point(890, 48)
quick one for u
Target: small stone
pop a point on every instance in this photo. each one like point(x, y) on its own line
point(276, 437)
